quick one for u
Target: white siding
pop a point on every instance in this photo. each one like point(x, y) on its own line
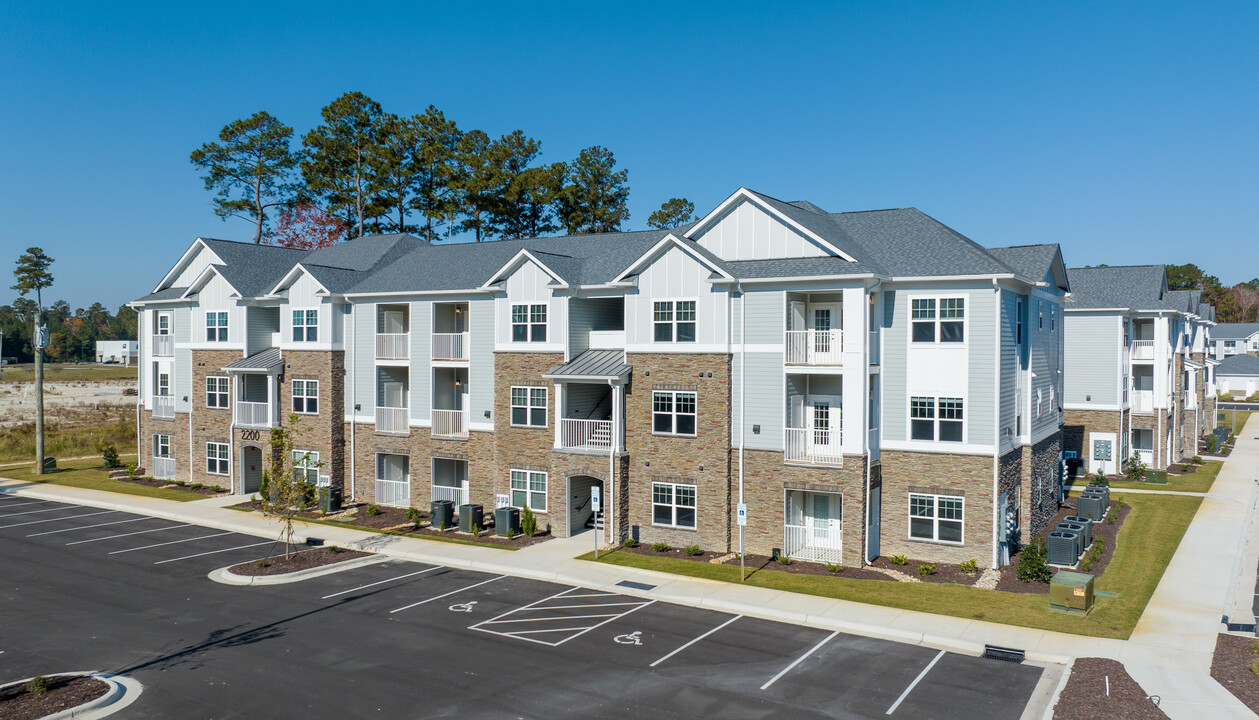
point(747, 232)
point(1044, 333)
point(981, 341)
point(767, 318)
point(263, 322)
point(217, 296)
point(764, 389)
point(1093, 371)
point(528, 286)
point(421, 326)
point(196, 265)
point(895, 394)
point(364, 349)
point(675, 275)
point(1011, 363)
point(481, 367)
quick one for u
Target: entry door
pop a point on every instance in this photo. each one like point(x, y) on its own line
point(250, 470)
point(1102, 449)
point(822, 416)
point(823, 318)
point(876, 522)
point(824, 520)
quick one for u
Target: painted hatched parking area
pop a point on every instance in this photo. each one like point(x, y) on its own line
point(562, 617)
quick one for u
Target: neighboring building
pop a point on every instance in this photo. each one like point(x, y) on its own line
point(117, 351)
point(868, 383)
point(1137, 377)
point(1235, 339)
point(1238, 376)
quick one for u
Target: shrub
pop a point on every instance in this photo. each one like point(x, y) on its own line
point(1254, 667)
point(1110, 516)
point(1099, 479)
point(1254, 647)
point(181, 483)
point(38, 685)
point(476, 530)
point(1196, 459)
point(899, 560)
point(783, 558)
point(1032, 562)
point(334, 549)
point(528, 523)
point(196, 486)
point(1134, 469)
point(1085, 564)
point(110, 455)
point(262, 563)
point(1098, 549)
point(133, 471)
point(373, 509)
point(414, 516)
point(1211, 443)
point(511, 533)
point(970, 567)
point(629, 542)
point(834, 568)
point(925, 570)
point(693, 550)
point(660, 547)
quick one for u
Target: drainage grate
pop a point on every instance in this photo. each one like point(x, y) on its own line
point(636, 585)
point(992, 652)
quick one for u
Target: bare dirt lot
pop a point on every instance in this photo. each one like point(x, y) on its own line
point(17, 399)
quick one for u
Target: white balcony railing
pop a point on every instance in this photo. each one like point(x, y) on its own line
point(813, 447)
point(253, 414)
point(814, 347)
point(1142, 349)
point(450, 423)
point(163, 406)
point(457, 494)
point(392, 420)
point(1147, 457)
point(1143, 401)
point(393, 346)
point(813, 543)
point(163, 345)
point(586, 434)
point(163, 468)
point(450, 346)
point(393, 492)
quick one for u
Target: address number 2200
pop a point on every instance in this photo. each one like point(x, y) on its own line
point(249, 435)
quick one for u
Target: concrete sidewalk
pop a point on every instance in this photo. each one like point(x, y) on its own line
point(1169, 653)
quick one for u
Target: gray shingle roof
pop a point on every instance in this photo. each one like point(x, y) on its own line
point(337, 280)
point(1135, 287)
point(1234, 331)
point(364, 253)
point(172, 293)
point(593, 363)
point(253, 269)
point(906, 242)
point(264, 361)
point(1029, 261)
point(1238, 365)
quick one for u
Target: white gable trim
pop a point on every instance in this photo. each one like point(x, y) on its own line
point(184, 259)
point(516, 260)
point(745, 194)
point(291, 277)
point(668, 240)
point(204, 278)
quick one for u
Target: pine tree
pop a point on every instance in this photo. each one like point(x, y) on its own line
point(594, 200)
point(673, 213)
point(338, 164)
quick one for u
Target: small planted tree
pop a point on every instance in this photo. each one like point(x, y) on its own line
point(1034, 562)
point(287, 486)
point(528, 523)
point(1134, 469)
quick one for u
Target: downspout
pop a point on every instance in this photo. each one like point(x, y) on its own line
point(612, 467)
point(231, 436)
point(743, 369)
point(354, 391)
point(140, 393)
point(996, 427)
point(865, 531)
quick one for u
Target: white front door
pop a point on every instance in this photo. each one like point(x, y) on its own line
point(822, 422)
point(1103, 449)
point(823, 318)
point(824, 519)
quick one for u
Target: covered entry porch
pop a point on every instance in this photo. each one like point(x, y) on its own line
point(813, 526)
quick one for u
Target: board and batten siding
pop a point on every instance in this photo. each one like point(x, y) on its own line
point(1093, 369)
point(763, 388)
point(420, 325)
point(746, 231)
point(196, 265)
point(481, 314)
point(527, 285)
point(675, 275)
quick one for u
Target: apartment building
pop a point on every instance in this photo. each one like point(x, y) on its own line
point(1235, 339)
point(1138, 379)
point(865, 382)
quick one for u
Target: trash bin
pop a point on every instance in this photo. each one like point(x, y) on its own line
point(442, 514)
point(329, 499)
point(470, 516)
point(1071, 592)
point(507, 521)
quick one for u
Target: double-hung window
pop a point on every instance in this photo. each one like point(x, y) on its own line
point(938, 319)
point(937, 518)
point(528, 406)
point(306, 466)
point(163, 384)
point(935, 419)
point(161, 446)
point(528, 489)
point(306, 397)
point(673, 413)
point(216, 392)
point(673, 505)
point(528, 323)
point(216, 327)
point(674, 320)
point(305, 325)
point(217, 458)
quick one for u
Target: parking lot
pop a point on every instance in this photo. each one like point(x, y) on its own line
point(85, 588)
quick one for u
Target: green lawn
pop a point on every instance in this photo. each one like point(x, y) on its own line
point(88, 474)
point(1236, 419)
point(351, 526)
point(1199, 481)
point(68, 440)
point(1144, 547)
point(67, 372)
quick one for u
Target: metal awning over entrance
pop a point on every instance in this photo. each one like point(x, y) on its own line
point(267, 361)
point(593, 365)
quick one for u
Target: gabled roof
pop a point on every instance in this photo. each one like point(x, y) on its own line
point(1130, 287)
point(804, 220)
point(1035, 261)
point(694, 250)
point(1234, 331)
point(906, 242)
point(1238, 365)
point(251, 268)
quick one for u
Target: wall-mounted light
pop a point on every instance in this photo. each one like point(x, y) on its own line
point(487, 413)
point(756, 429)
point(357, 407)
point(458, 383)
point(701, 467)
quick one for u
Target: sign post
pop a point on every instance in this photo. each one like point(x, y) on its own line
point(595, 505)
point(743, 520)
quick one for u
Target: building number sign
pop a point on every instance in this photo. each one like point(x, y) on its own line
point(249, 435)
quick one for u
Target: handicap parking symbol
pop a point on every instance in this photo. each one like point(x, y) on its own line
point(463, 607)
point(634, 638)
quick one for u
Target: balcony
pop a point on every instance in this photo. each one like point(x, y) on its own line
point(392, 420)
point(457, 494)
point(163, 406)
point(252, 414)
point(1143, 401)
point(450, 423)
point(163, 345)
point(814, 347)
point(815, 544)
point(393, 346)
point(813, 447)
point(1142, 349)
point(586, 435)
point(163, 468)
point(396, 493)
point(450, 347)
point(1146, 456)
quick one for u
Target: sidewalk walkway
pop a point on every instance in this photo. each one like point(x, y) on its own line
point(1169, 652)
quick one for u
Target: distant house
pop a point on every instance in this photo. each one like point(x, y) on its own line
point(1238, 375)
point(1235, 339)
point(117, 351)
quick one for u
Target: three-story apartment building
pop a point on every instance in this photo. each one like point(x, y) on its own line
point(1235, 339)
point(866, 383)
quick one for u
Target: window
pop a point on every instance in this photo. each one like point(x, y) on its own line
point(674, 321)
point(923, 314)
point(305, 325)
point(528, 323)
point(528, 489)
point(673, 413)
point(948, 326)
point(306, 397)
point(1038, 403)
point(306, 466)
point(216, 458)
point(216, 327)
point(528, 406)
point(216, 392)
point(935, 517)
point(952, 318)
point(1018, 322)
point(673, 505)
point(163, 324)
point(926, 424)
point(163, 384)
point(161, 446)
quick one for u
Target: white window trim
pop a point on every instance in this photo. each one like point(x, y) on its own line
point(674, 505)
point(226, 393)
point(306, 384)
point(674, 321)
point(935, 420)
point(217, 459)
point(170, 322)
point(967, 308)
point(306, 327)
point(674, 413)
point(529, 324)
point(529, 407)
point(308, 464)
point(225, 327)
point(935, 520)
point(528, 491)
point(157, 444)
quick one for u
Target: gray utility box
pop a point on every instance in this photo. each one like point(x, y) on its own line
point(471, 516)
point(1078, 529)
point(1071, 592)
point(1061, 546)
point(1086, 523)
point(507, 521)
point(442, 514)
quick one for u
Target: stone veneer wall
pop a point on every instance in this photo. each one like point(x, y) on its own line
point(323, 432)
point(1040, 466)
point(1077, 424)
point(949, 474)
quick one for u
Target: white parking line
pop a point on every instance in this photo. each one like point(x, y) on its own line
point(539, 606)
point(138, 532)
point(380, 582)
point(32, 512)
point(48, 520)
point(33, 502)
point(695, 640)
point(85, 527)
point(547, 619)
point(801, 659)
point(172, 542)
point(452, 592)
point(921, 675)
point(212, 552)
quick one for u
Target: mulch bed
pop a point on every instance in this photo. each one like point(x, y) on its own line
point(759, 562)
point(1085, 698)
point(304, 560)
point(944, 573)
point(63, 693)
point(120, 474)
point(1107, 533)
point(1231, 667)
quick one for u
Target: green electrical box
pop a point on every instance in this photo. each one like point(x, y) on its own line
point(1071, 592)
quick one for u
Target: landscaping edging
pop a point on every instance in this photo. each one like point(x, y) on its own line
point(227, 577)
point(122, 692)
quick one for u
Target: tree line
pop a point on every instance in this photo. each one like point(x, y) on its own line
point(72, 332)
point(1239, 303)
point(365, 170)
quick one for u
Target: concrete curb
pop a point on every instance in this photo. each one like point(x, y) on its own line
point(226, 577)
point(122, 692)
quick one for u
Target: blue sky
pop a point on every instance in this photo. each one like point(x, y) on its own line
point(1126, 132)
